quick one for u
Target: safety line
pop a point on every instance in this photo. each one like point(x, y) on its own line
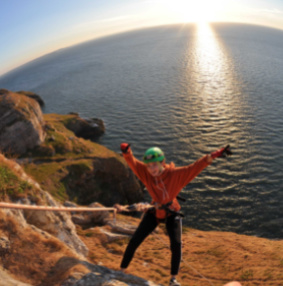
point(57, 209)
point(48, 208)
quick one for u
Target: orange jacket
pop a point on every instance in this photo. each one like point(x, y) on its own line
point(164, 188)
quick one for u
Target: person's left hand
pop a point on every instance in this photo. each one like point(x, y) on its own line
point(222, 153)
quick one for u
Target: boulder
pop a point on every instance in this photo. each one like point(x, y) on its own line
point(111, 236)
point(33, 96)
point(86, 128)
point(102, 276)
point(21, 123)
point(89, 218)
point(109, 182)
point(5, 246)
point(8, 280)
point(58, 224)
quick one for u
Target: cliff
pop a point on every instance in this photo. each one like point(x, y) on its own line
point(54, 248)
point(69, 167)
point(20, 122)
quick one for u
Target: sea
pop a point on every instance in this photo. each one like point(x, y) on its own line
point(189, 89)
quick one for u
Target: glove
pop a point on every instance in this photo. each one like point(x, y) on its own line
point(223, 152)
point(125, 147)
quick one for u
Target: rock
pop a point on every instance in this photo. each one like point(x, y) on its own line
point(5, 247)
point(89, 218)
point(21, 123)
point(58, 224)
point(110, 236)
point(33, 96)
point(86, 128)
point(102, 276)
point(123, 228)
point(7, 280)
point(80, 219)
point(18, 215)
point(108, 182)
point(98, 217)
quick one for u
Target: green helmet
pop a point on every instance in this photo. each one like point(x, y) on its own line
point(153, 154)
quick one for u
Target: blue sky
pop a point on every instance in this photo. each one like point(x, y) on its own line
point(32, 28)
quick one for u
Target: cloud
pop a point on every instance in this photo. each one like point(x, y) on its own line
point(115, 19)
point(91, 24)
point(273, 11)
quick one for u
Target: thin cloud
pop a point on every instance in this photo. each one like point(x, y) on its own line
point(115, 19)
point(271, 11)
point(88, 24)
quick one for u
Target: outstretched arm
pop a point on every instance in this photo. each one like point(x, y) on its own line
point(184, 175)
point(137, 166)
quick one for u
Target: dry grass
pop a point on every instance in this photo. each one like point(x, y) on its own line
point(60, 151)
point(36, 259)
point(220, 257)
point(13, 183)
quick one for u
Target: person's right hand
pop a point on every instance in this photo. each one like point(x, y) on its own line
point(120, 208)
point(125, 147)
point(143, 207)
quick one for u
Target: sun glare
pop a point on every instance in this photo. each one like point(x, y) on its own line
point(197, 11)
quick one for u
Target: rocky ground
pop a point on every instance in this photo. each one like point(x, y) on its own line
point(209, 258)
point(48, 159)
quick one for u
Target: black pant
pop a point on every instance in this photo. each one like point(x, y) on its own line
point(147, 225)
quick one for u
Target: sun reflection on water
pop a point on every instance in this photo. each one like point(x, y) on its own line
point(212, 98)
point(212, 68)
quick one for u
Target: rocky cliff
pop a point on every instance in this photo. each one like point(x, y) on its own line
point(21, 123)
point(69, 167)
point(62, 164)
point(42, 247)
point(53, 248)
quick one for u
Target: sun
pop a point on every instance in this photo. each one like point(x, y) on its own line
point(198, 11)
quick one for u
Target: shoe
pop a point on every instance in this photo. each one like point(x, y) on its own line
point(174, 282)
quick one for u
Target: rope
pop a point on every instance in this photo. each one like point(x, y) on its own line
point(57, 209)
point(86, 209)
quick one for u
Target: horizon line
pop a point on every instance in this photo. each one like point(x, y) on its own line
point(6, 73)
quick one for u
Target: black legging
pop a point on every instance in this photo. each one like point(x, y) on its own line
point(147, 225)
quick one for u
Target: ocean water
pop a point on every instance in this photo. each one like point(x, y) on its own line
point(189, 90)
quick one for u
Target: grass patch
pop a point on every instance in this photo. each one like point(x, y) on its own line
point(11, 185)
point(247, 275)
point(89, 234)
point(215, 252)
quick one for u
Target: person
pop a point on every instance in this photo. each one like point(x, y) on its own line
point(163, 182)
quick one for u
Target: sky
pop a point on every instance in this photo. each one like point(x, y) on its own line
point(32, 28)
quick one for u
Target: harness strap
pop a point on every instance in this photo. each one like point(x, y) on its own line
point(168, 210)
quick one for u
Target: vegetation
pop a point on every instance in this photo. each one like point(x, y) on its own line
point(219, 257)
point(12, 186)
point(36, 259)
point(63, 160)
